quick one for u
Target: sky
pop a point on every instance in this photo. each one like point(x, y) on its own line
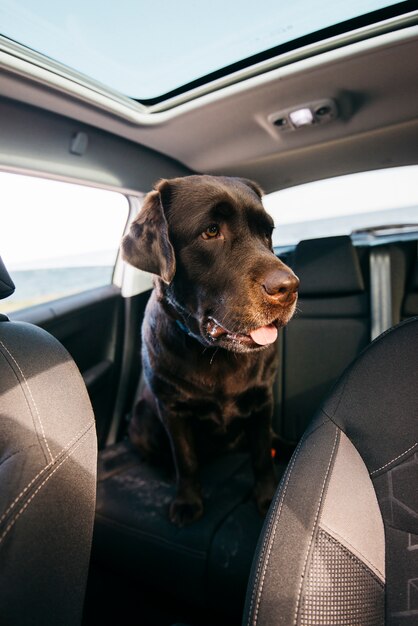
point(45, 222)
point(346, 195)
point(338, 206)
point(144, 49)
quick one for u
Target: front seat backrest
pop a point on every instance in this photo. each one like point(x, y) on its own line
point(330, 328)
point(48, 456)
point(340, 543)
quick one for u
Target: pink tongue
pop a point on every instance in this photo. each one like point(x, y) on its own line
point(264, 335)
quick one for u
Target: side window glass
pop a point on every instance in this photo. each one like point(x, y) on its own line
point(365, 205)
point(56, 238)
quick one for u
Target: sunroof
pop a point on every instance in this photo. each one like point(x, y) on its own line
point(153, 50)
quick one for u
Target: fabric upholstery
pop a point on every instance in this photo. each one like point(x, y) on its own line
point(47, 480)
point(339, 544)
point(397, 490)
point(350, 511)
point(273, 595)
point(377, 406)
point(327, 266)
point(330, 328)
point(374, 403)
point(206, 563)
point(345, 586)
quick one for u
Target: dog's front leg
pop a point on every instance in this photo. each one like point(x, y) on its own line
point(187, 505)
point(258, 427)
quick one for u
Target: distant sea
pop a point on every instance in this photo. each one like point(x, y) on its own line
point(41, 285)
point(290, 234)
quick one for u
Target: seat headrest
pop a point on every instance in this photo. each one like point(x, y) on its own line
point(6, 284)
point(328, 266)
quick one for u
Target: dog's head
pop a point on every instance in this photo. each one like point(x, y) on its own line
point(209, 240)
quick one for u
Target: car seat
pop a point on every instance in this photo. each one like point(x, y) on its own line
point(340, 543)
point(48, 456)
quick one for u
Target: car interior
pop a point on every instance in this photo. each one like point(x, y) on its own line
point(84, 532)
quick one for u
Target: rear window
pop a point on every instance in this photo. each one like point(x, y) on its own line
point(57, 238)
point(346, 205)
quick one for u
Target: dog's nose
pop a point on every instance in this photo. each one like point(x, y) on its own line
point(281, 286)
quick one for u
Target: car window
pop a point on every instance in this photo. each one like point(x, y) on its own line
point(193, 40)
point(57, 238)
point(345, 205)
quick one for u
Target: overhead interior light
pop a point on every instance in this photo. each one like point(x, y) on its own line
point(301, 117)
point(308, 114)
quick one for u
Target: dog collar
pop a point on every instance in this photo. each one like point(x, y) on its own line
point(183, 327)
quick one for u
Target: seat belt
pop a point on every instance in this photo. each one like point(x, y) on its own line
point(380, 291)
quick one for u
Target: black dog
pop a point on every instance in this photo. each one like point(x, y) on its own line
point(209, 357)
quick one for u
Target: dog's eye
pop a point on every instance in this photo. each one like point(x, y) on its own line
point(212, 232)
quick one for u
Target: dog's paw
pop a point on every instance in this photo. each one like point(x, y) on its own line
point(264, 493)
point(184, 512)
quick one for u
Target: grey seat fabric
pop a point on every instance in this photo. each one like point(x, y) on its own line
point(330, 328)
point(48, 456)
point(205, 564)
point(339, 546)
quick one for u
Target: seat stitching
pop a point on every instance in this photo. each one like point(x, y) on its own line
point(314, 524)
point(270, 541)
point(44, 469)
point(24, 507)
point(27, 399)
point(33, 399)
point(260, 562)
point(395, 459)
point(272, 519)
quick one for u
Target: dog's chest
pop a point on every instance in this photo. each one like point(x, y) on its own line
point(215, 387)
point(222, 397)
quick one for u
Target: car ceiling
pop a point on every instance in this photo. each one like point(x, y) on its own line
point(226, 131)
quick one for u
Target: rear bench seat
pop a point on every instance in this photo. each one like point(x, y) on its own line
point(347, 297)
point(207, 564)
point(409, 306)
point(330, 328)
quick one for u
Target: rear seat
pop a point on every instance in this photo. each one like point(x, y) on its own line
point(394, 284)
point(391, 272)
point(347, 297)
point(207, 564)
point(409, 306)
point(331, 327)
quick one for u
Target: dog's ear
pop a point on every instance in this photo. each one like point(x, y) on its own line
point(147, 246)
point(252, 185)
